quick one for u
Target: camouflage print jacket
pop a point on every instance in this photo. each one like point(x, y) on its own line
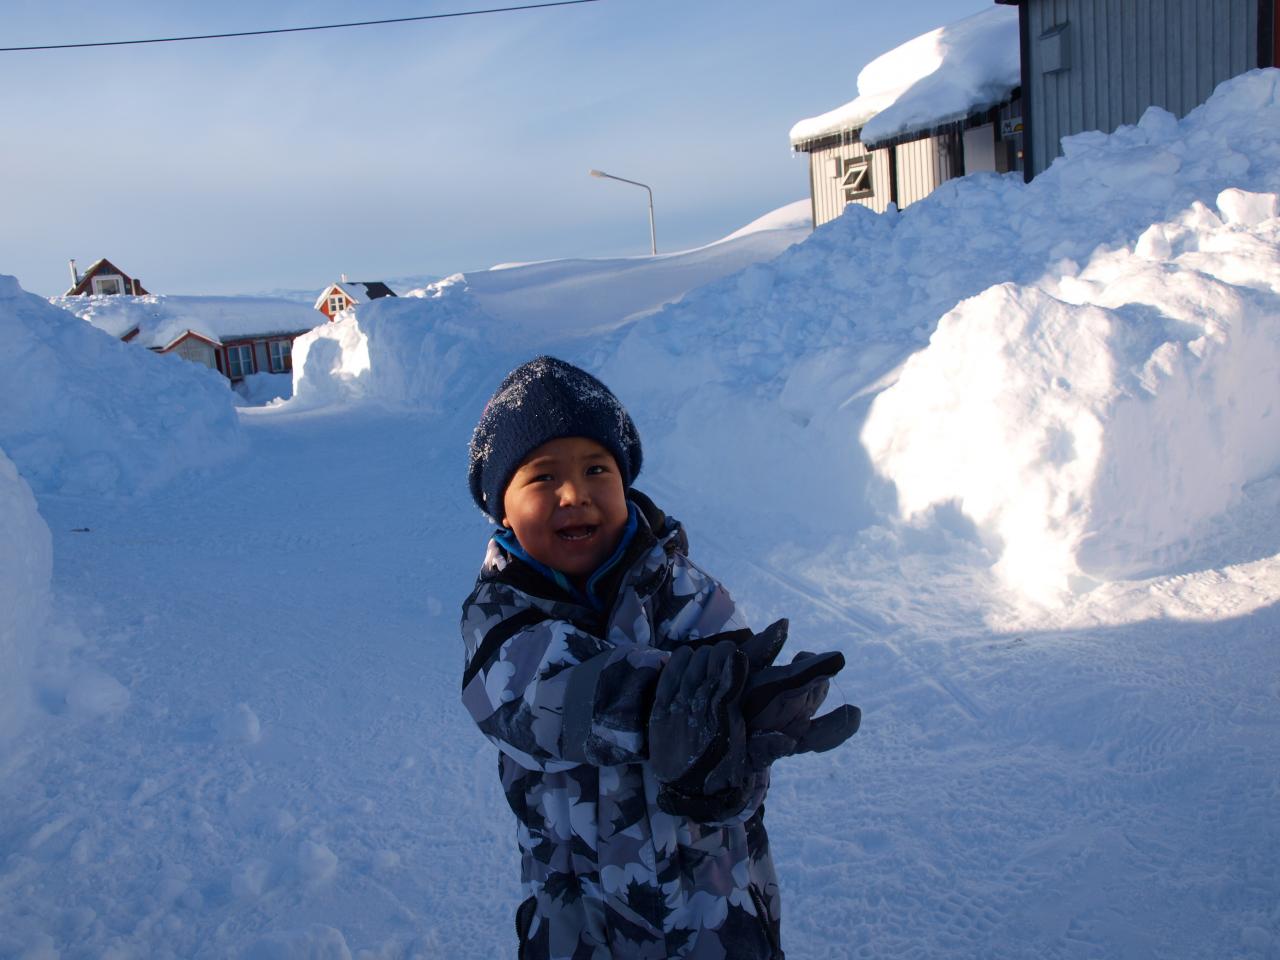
point(563, 691)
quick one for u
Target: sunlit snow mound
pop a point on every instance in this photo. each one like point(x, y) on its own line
point(1093, 424)
point(1098, 369)
point(26, 564)
point(87, 414)
point(401, 353)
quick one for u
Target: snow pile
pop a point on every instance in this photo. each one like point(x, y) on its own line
point(1094, 425)
point(756, 389)
point(86, 414)
point(258, 389)
point(939, 77)
point(399, 352)
point(416, 351)
point(160, 320)
point(26, 564)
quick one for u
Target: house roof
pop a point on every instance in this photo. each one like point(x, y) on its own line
point(162, 321)
point(940, 77)
point(359, 291)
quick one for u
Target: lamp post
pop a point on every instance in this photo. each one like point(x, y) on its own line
point(653, 237)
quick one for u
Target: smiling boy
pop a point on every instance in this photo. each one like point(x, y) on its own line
point(567, 507)
point(635, 715)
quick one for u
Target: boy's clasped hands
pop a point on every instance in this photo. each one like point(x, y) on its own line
point(723, 713)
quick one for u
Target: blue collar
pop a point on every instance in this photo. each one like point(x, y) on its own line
point(506, 537)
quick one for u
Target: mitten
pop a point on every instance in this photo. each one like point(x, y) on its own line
point(697, 734)
point(779, 706)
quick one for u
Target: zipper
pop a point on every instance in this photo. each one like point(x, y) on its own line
point(762, 914)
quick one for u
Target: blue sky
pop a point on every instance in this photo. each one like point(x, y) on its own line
point(278, 162)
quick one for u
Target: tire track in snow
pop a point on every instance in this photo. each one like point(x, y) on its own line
point(863, 621)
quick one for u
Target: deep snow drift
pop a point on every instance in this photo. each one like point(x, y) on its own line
point(263, 753)
point(432, 344)
point(1095, 424)
point(26, 564)
point(86, 414)
point(1097, 345)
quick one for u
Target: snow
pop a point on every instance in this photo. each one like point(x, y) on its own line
point(86, 414)
point(1011, 450)
point(1045, 412)
point(26, 562)
point(423, 349)
point(936, 78)
point(160, 320)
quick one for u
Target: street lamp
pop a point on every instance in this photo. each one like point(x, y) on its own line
point(653, 237)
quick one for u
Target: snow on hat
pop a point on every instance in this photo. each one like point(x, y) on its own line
point(540, 401)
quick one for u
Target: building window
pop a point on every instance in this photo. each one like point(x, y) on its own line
point(281, 356)
point(337, 303)
point(240, 361)
point(109, 285)
point(854, 174)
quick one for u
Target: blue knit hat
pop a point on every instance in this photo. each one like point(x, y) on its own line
point(540, 401)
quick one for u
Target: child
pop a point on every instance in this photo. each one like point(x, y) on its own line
point(634, 714)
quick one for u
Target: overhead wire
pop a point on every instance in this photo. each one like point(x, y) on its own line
point(327, 26)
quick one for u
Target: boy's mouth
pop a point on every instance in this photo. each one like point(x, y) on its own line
point(577, 532)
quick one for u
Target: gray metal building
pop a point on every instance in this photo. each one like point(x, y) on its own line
point(1099, 64)
point(843, 169)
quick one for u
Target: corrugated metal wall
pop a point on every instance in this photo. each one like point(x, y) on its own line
point(828, 180)
point(1115, 58)
point(921, 166)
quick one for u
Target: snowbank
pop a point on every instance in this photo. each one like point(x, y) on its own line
point(26, 564)
point(938, 77)
point(258, 389)
point(1049, 389)
point(399, 352)
point(86, 414)
point(423, 350)
point(1092, 426)
point(1070, 348)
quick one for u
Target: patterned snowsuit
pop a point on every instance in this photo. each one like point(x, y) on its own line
point(563, 690)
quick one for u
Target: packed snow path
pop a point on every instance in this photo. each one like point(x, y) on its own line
point(268, 757)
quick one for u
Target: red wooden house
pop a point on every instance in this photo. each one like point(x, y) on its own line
point(103, 278)
point(339, 296)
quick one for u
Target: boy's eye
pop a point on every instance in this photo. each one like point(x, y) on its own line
point(595, 469)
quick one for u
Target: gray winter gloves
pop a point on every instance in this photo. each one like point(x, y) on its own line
point(780, 703)
point(697, 734)
point(722, 713)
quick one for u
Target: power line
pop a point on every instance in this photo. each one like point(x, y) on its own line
point(327, 26)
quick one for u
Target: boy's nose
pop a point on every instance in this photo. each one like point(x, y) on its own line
point(572, 495)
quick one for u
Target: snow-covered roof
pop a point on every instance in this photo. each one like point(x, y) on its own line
point(939, 77)
point(161, 321)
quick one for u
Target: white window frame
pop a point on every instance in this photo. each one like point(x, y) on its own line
point(337, 303)
point(280, 351)
point(236, 365)
point(101, 280)
point(854, 174)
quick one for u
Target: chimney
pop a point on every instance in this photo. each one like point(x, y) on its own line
point(343, 275)
point(75, 275)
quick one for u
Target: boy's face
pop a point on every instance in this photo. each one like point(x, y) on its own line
point(567, 505)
